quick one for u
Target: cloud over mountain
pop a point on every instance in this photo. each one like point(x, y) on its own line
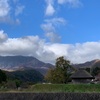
point(48, 52)
point(51, 23)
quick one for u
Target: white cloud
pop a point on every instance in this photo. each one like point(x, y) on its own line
point(77, 53)
point(21, 46)
point(85, 52)
point(50, 5)
point(7, 11)
point(9, 20)
point(50, 26)
point(19, 10)
point(49, 9)
point(4, 8)
point(56, 21)
point(50, 32)
point(48, 52)
point(53, 37)
point(73, 3)
point(3, 36)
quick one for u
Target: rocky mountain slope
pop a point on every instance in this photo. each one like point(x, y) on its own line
point(12, 63)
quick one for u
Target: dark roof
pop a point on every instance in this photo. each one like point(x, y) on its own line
point(81, 74)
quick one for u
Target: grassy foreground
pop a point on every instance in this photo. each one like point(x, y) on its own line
point(89, 88)
point(57, 88)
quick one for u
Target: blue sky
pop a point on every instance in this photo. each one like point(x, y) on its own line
point(50, 28)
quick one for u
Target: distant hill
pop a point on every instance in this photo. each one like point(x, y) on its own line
point(29, 75)
point(12, 63)
point(96, 64)
point(88, 64)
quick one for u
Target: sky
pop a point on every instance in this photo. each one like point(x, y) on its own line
point(47, 29)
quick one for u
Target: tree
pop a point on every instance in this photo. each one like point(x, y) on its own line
point(61, 72)
point(95, 68)
point(95, 71)
point(3, 77)
point(18, 83)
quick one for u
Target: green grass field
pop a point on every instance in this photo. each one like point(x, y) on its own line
point(66, 88)
point(53, 88)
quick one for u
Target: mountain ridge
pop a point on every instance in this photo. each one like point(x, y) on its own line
point(12, 63)
point(87, 64)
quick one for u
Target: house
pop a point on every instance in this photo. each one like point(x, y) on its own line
point(81, 76)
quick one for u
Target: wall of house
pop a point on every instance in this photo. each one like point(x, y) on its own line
point(81, 80)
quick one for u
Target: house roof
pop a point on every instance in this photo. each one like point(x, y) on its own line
point(81, 74)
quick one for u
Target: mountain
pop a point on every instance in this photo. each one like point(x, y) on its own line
point(25, 75)
point(12, 63)
point(96, 65)
point(88, 64)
